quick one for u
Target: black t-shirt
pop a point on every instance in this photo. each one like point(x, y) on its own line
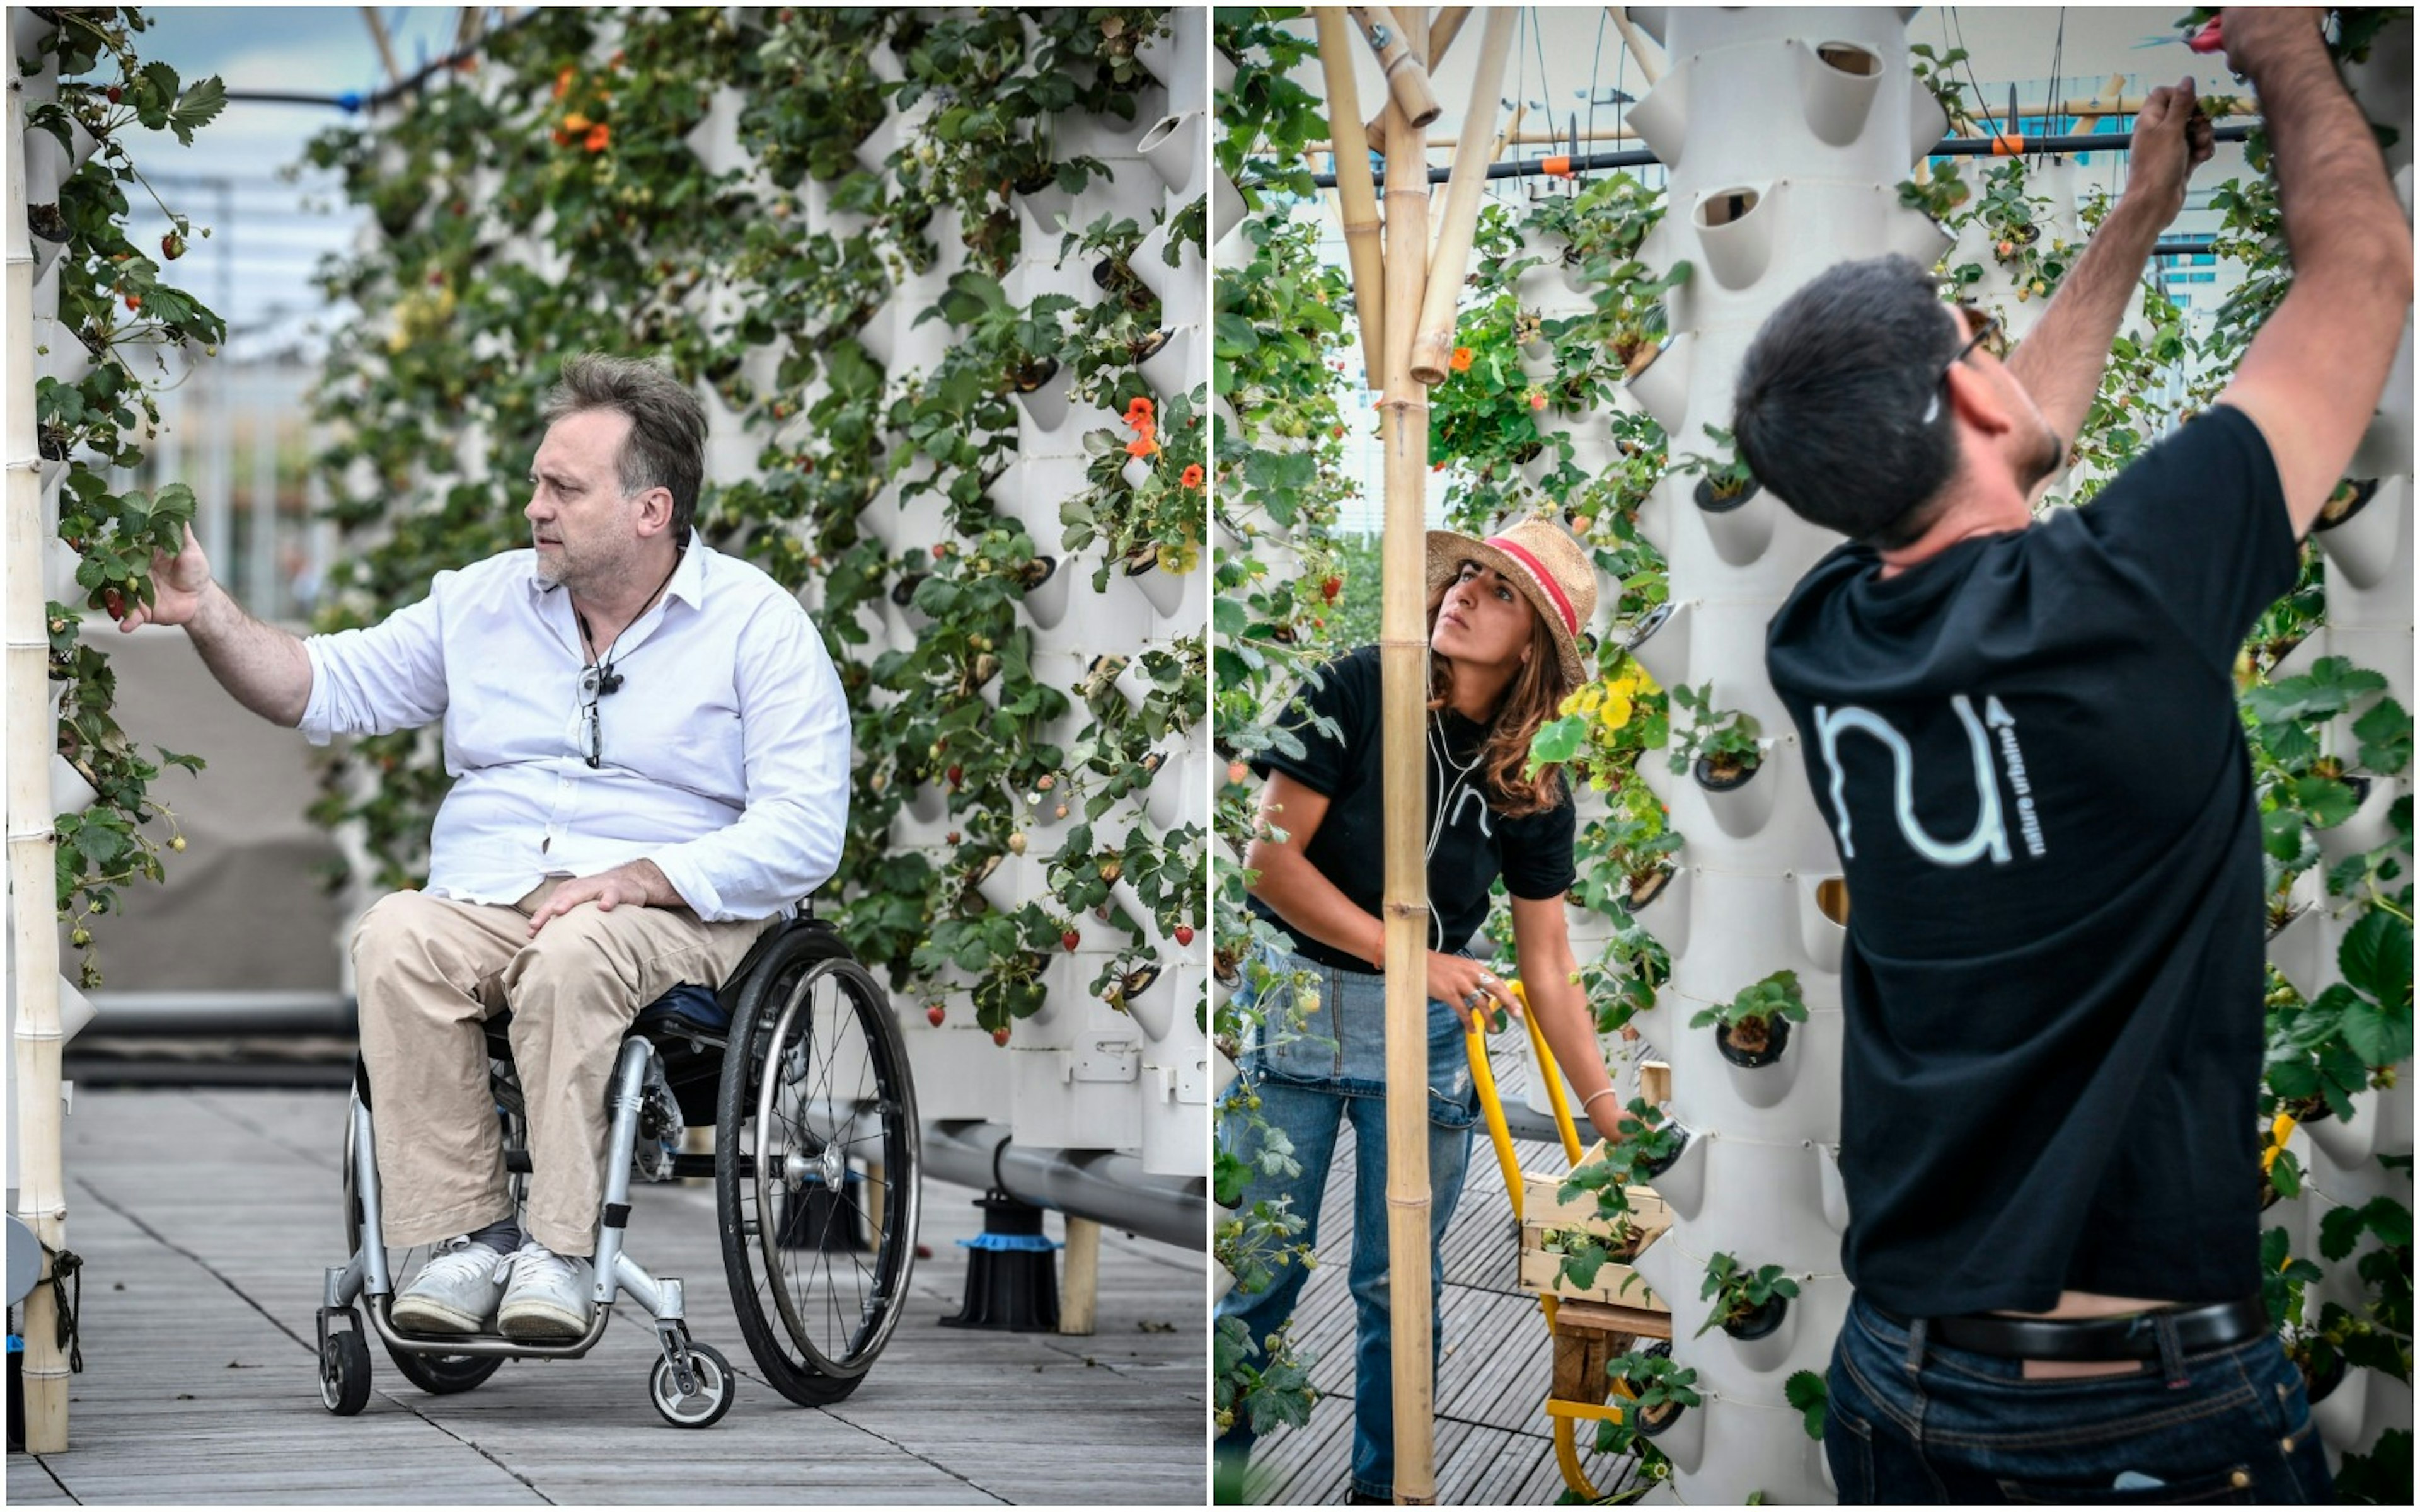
point(1472, 842)
point(2029, 753)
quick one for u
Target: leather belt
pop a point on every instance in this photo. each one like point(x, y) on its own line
point(2216, 1325)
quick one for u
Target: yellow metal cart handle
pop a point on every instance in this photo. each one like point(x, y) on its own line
point(1490, 1103)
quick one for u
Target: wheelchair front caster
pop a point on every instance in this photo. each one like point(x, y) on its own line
point(344, 1373)
point(712, 1389)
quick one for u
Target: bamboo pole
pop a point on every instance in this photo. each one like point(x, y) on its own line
point(1510, 135)
point(1408, 78)
point(1356, 195)
point(1442, 32)
point(41, 1199)
point(1434, 342)
point(1079, 1284)
point(1404, 762)
point(1632, 39)
point(386, 47)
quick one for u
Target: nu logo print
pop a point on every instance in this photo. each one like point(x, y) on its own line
point(1990, 834)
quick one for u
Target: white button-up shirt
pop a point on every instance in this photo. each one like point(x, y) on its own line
point(724, 754)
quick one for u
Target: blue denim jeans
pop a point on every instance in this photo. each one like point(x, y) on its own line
point(2228, 1426)
point(1309, 1080)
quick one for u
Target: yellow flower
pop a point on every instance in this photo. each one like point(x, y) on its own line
point(1617, 710)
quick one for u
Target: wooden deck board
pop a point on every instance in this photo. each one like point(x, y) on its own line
point(206, 1218)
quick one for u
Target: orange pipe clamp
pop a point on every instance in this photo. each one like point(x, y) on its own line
point(1557, 167)
point(2009, 145)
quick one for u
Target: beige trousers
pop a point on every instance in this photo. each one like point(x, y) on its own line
point(428, 971)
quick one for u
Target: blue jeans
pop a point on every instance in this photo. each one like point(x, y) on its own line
point(2231, 1426)
point(1309, 1082)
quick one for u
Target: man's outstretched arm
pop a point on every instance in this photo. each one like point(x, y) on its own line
point(2314, 374)
point(266, 669)
point(2060, 361)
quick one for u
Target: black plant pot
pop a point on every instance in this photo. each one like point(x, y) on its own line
point(1650, 1428)
point(2331, 516)
point(1777, 1041)
point(1704, 495)
point(1033, 376)
point(2317, 1386)
point(1708, 779)
point(1648, 1172)
point(1757, 1324)
point(1657, 885)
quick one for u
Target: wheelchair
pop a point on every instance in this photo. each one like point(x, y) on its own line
point(797, 1065)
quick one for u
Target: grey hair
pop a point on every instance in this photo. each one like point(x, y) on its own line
point(666, 447)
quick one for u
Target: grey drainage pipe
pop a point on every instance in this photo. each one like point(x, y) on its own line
point(1103, 1185)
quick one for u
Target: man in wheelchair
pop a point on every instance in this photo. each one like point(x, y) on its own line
point(650, 755)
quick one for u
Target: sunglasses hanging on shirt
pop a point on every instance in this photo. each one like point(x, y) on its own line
point(601, 680)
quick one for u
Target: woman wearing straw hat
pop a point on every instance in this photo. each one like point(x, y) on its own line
point(1504, 617)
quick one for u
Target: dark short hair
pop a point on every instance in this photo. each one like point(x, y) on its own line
point(1831, 410)
point(666, 447)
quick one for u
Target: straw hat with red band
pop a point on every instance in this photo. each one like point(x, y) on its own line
point(1540, 557)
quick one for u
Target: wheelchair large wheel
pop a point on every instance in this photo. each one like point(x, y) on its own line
point(816, 1179)
point(439, 1375)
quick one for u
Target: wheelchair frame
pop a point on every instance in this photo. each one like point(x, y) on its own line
point(692, 1384)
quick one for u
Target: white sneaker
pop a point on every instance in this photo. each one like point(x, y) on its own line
point(455, 1291)
point(547, 1296)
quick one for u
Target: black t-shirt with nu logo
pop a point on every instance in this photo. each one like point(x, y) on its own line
point(1470, 842)
point(2029, 753)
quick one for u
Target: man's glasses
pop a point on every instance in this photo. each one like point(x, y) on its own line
point(1989, 334)
point(594, 683)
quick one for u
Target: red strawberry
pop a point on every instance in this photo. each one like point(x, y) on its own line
point(957, 775)
point(934, 1015)
point(999, 1036)
point(114, 601)
point(1071, 939)
point(1332, 587)
point(1184, 934)
point(172, 246)
point(114, 94)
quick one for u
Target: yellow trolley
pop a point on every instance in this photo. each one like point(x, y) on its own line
point(1587, 1333)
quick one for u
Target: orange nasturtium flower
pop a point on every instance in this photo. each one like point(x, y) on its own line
point(1142, 445)
point(1192, 478)
point(1139, 411)
point(1462, 359)
point(600, 136)
point(563, 82)
point(576, 123)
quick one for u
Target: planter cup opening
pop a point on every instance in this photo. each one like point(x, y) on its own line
point(1837, 84)
point(1738, 241)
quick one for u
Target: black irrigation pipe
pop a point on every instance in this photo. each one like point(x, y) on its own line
point(352, 101)
point(1954, 147)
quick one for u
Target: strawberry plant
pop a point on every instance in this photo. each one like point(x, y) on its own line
point(116, 312)
point(1742, 1296)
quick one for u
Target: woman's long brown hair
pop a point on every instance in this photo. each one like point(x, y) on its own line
point(1530, 701)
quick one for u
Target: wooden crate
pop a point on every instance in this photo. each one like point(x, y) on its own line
point(1590, 1335)
point(1542, 1213)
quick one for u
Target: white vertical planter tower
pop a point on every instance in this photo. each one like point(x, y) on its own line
point(1760, 202)
point(45, 1010)
point(1082, 1075)
point(2369, 576)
